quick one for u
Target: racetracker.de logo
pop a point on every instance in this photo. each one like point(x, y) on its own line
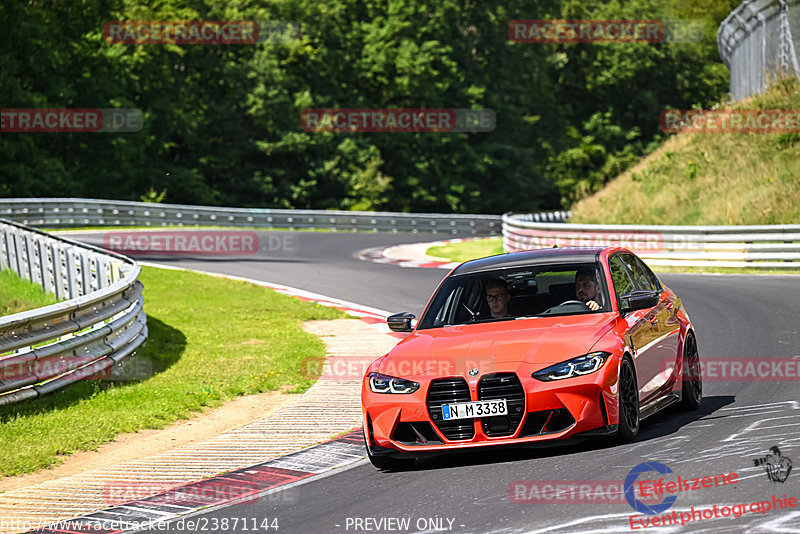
point(397, 120)
point(183, 32)
point(188, 242)
point(93, 120)
point(355, 367)
point(571, 492)
point(78, 367)
point(586, 31)
point(636, 241)
point(730, 121)
point(720, 369)
point(176, 494)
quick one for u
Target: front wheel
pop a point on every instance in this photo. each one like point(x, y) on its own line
point(628, 402)
point(386, 462)
point(692, 376)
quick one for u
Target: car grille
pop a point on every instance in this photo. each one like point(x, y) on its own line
point(444, 391)
point(502, 386)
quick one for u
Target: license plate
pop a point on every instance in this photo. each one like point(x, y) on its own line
point(468, 410)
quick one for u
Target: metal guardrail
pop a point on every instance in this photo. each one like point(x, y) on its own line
point(774, 246)
point(759, 42)
point(100, 324)
point(80, 212)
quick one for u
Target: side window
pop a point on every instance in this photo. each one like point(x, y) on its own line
point(652, 280)
point(622, 282)
point(643, 279)
point(447, 311)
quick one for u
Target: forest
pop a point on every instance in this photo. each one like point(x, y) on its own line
point(221, 120)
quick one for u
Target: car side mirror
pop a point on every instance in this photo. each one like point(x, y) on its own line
point(401, 322)
point(637, 300)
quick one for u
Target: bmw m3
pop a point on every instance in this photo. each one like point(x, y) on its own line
point(521, 348)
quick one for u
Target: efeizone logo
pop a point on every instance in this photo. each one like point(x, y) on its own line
point(630, 496)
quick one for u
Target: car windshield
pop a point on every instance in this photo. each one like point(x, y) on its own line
point(519, 292)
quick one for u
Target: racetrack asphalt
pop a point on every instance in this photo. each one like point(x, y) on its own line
point(735, 316)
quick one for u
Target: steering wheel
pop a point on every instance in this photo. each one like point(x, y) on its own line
point(573, 302)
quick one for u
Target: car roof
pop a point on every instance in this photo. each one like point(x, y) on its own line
point(530, 258)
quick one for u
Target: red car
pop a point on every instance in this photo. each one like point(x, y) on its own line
point(521, 348)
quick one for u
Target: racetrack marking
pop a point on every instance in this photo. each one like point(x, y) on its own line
point(758, 426)
point(785, 523)
point(672, 449)
point(584, 520)
point(379, 255)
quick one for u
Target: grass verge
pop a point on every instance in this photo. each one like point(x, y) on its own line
point(712, 179)
point(19, 295)
point(210, 339)
point(468, 250)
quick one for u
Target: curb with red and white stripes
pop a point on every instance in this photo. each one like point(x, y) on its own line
point(406, 256)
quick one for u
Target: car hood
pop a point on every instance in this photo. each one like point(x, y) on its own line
point(494, 346)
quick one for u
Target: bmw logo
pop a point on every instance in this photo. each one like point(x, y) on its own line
point(474, 372)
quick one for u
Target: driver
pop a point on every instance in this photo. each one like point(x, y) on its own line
point(586, 288)
point(497, 296)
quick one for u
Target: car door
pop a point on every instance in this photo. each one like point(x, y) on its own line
point(641, 331)
point(664, 347)
point(668, 342)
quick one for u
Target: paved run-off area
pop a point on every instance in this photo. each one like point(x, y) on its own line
point(293, 427)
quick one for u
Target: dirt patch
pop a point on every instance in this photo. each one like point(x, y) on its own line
point(126, 447)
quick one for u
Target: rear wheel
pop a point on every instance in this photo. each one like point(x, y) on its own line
point(628, 402)
point(692, 376)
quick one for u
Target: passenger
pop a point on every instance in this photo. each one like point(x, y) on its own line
point(497, 296)
point(586, 288)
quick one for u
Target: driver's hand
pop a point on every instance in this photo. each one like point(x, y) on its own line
point(593, 305)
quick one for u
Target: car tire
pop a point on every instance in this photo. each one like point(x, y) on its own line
point(387, 462)
point(692, 394)
point(628, 402)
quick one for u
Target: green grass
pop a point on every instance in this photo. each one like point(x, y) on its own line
point(19, 295)
point(468, 250)
point(709, 179)
point(210, 340)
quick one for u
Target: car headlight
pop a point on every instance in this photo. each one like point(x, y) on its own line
point(379, 383)
point(582, 365)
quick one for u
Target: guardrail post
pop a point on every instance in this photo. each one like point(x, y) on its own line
point(44, 266)
point(86, 273)
point(3, 252)
point(72, 273)
point(17, 256)
point(30, 254)
point(57, 270)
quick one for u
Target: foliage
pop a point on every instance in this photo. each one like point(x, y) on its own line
point(222, 122)
point(709, 178)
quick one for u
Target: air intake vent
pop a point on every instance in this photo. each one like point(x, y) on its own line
point(502, 386)
point(547, 421)
point(445, 391)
